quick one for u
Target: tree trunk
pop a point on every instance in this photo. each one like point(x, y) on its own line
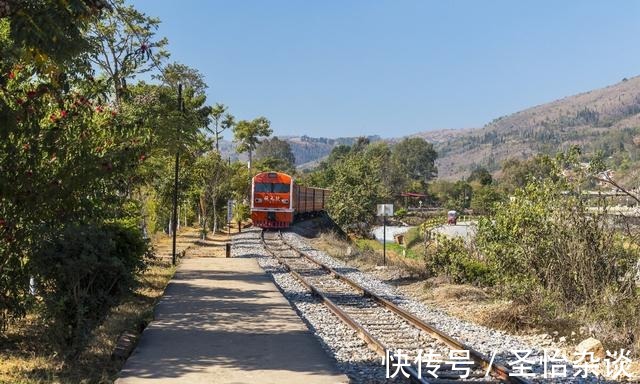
point(204, 228)
point(217, 139)
point(215, 216)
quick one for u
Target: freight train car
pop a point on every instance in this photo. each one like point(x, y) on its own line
point(276, 200)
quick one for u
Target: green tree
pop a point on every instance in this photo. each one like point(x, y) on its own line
point(277, 154)
point(68, 157)
point(518, 173)
point(176, 73)
point(452, 195)
point(248, 134)
point(416, 159)
point(212, 175)
point(123, 44)
point(484, 200)
point(219, 125)
point(481, 175)
point(355, 191)
point(360, 144)
point(228, 122)
point(548, 238)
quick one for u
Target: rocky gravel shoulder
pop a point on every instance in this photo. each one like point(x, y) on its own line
point(351, 353)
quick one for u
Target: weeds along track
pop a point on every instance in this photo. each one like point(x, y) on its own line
point(385, 327)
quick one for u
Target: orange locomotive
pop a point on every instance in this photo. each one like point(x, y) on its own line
point(276, 199)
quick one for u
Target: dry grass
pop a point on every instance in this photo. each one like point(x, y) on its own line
point(453, 292)
point(367, 254)
point(25, 357)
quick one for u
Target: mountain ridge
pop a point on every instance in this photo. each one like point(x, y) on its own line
point(606, 118)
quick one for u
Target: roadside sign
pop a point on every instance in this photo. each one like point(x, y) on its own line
point(385, 209)
point(230, 203)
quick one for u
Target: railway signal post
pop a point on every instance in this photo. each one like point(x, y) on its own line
point(384, 210)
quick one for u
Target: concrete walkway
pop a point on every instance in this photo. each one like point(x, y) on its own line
point(224, 321)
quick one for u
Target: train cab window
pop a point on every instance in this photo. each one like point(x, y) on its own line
point(281, 188)
point(262, 187)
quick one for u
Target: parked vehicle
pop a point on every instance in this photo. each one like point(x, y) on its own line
point(452, 217)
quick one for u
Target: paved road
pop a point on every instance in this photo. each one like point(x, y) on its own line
point(463, 229)
point(224, 321)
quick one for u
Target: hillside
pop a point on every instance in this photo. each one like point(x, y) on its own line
point(606, 119)
point(308, 151)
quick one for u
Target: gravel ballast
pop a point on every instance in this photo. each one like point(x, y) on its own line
point(353, 356)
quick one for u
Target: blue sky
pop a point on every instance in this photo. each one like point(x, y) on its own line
point(345, 68)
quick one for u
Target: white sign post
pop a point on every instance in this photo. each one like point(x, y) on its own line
point(384, 210)
point(230, 203)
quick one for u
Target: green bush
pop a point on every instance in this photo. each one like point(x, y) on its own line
point(81, 273)
point(400, 213)
point(452, 258)
point(555, 241)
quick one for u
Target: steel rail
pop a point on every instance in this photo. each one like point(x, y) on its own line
point(367, 337)
point(499, 371)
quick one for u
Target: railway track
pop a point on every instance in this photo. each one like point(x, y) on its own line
point(386, 328)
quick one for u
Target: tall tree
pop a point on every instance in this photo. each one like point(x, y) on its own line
point(356, 188)
point(228, 122)
point(124, 44)
point(66, 155)
point(217, 114)
point(481, 175)
point(278, 152)
point(212, 174)
point(416, 158)
point(176, 73)
point(248, 134)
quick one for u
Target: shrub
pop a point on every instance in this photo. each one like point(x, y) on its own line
point(400, 213)
point(454, 259)
point(554, 241)
point(81, 273)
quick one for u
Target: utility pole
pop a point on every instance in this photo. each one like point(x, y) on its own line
point(384, 210)
point(384, 239)
point(174, 222)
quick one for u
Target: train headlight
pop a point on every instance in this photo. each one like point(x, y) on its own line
point(258, 200)
point(285, 201)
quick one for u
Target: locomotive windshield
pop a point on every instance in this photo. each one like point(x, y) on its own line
point(262, 187)
point(281, 188)
point(275, 188)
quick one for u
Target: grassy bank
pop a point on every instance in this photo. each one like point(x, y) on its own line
point(26, 358)
point(411, 248)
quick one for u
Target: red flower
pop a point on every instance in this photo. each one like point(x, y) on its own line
point(19, 101)
point(99, 108)
point(31, 94)
point(53, 118)
point(142, 157)
point(12, 75)
point(63, 113)
point(113, 114)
